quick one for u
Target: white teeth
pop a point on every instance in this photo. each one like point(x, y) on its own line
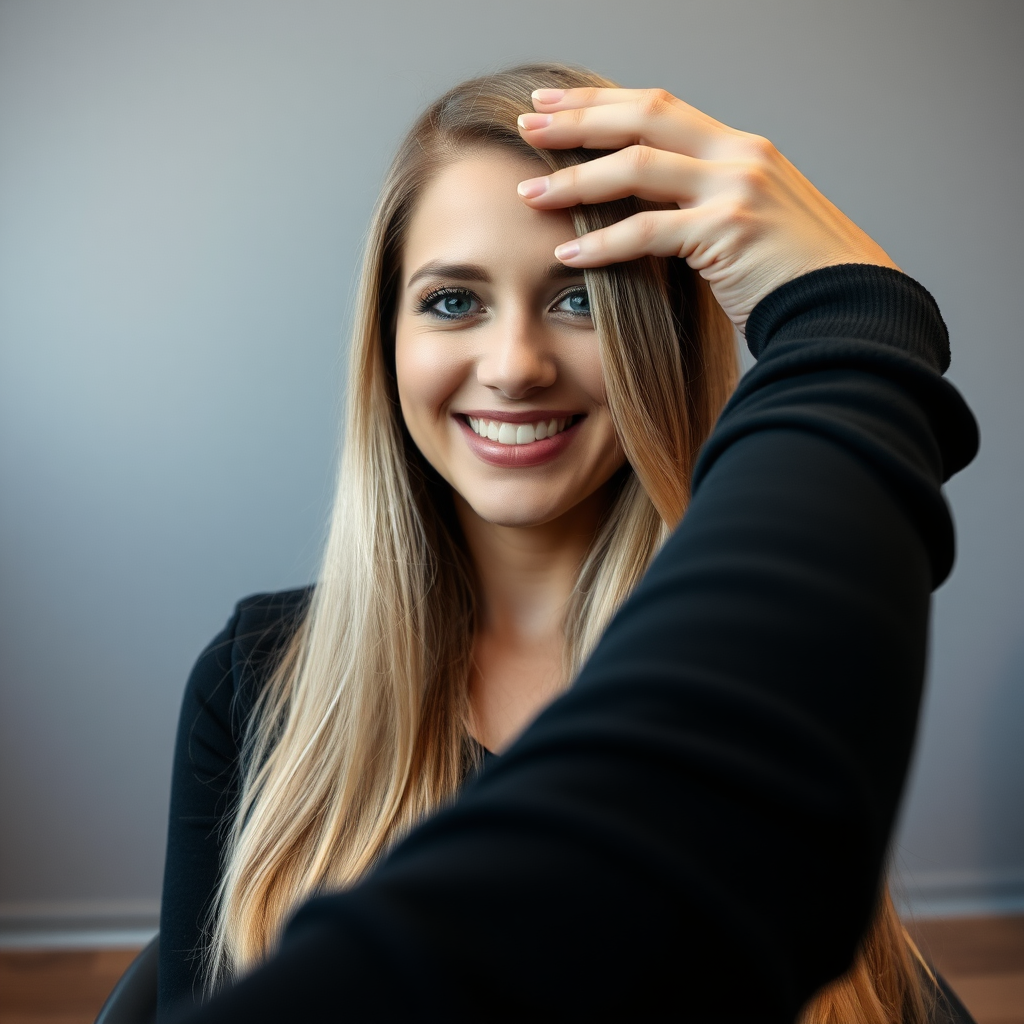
point(521, 433)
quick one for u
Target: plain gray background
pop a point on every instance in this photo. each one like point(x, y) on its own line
point(183, 192)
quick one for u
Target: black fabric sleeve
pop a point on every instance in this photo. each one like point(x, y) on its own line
point(697, 829)
point(217, 702)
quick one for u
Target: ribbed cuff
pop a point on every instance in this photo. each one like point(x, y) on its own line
point(853, 300)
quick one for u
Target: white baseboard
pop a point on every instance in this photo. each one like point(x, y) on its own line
point(71, 940)
point(924, 894)
point(78, 924)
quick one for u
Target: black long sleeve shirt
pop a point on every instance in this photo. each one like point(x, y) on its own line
point(697, 828)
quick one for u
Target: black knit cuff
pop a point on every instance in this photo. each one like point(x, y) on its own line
point(853, 300)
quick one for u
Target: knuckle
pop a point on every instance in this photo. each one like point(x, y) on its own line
point(569, 179)
point(599, 243)
point(759, 147)
point(654, 102)
point(640, 158)
point(646, 228)
point(731, 210)
point(751, 179)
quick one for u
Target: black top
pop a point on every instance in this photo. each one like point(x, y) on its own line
point(698, 827)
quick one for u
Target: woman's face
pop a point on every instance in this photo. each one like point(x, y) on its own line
point(499, 373)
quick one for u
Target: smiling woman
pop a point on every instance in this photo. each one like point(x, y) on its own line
point(523, 422)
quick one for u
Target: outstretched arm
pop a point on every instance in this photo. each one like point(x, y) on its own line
point(697, 828)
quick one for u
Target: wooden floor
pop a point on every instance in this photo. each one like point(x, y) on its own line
point(58, 987)
point(983, 959)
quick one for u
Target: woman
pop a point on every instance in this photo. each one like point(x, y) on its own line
point(512, 464)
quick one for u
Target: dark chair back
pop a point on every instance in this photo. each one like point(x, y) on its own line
point(133, 1000)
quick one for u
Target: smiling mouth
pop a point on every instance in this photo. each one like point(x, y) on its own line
point(519, 433)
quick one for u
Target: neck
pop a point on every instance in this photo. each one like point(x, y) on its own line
point(527, 573)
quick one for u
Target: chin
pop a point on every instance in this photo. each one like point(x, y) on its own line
point(520, 514)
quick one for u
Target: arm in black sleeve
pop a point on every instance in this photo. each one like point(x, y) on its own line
point(697, 829)
point(217, 703)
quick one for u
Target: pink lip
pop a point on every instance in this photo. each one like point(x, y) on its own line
point(517, 456)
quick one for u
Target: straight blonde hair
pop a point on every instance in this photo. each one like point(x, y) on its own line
point(360, 731)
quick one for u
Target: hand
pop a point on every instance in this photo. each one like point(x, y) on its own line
point(747, 220)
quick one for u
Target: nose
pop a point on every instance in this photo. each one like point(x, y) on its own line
point(517, 359)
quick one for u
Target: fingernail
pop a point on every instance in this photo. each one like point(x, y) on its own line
point(547, 95)
point(534, 121)
point(533, 187)
point(567, 250)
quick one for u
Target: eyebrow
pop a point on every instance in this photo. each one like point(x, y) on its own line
point(473, 272)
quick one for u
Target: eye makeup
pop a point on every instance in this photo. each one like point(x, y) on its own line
point(448, 303)
point(452, 303)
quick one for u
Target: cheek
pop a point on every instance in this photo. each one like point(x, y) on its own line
point(428, 373)
point(583, 361)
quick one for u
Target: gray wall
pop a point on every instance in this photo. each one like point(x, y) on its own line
point(183, 191)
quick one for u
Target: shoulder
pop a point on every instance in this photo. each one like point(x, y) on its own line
point(233, 668)
point(261, 623)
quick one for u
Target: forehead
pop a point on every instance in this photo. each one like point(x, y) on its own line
point(470, 213)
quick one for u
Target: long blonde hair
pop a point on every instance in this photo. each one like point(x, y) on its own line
point(361, 729)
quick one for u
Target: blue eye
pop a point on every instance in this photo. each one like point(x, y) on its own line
point(454, 305)
point(576, 303)
point(449, 304)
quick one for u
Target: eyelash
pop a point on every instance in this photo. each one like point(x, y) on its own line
point(429, 301)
